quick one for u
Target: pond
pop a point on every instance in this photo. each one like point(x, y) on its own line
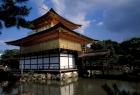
point(79, 87)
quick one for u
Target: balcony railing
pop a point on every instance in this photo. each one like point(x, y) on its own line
point(53, 68)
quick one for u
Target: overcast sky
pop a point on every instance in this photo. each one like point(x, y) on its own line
point(117, 20)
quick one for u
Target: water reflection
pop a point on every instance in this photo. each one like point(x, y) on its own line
point(54, 88)
point(8, 88)
point(80, 87)
point(116, 91)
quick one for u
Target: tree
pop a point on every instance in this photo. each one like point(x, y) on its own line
point(9, 58)
point(112, 46)
point(131, 51)
point(13, 12)
point(97, 46)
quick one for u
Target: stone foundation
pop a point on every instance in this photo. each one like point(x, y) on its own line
point(42, 78)
point(64, 76)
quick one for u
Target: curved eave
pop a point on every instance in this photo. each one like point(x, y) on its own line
point(74, 26)
point(76, 33)
point(59, 25)
point(17, 42)
point(12, 43)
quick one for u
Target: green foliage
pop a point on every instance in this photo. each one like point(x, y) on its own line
point(131, 51)
point(10, 54)
point(10, 58)
point(97, 46)
point(12, 13)
point(126, 52)
point(106, 45)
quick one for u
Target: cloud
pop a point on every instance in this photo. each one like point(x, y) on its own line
point(100, 23)
point(4, 46)
point(72, 11)
point(41, 6)
point(118, 16)
point(2, 42)
point(59, 5)
point(124, 17)
point(115, 16)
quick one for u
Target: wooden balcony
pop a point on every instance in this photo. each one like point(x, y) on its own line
point(51, 69)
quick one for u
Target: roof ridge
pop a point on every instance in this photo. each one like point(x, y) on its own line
point(59, 16)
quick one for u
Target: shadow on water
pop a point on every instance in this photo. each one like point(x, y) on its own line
point(114, 90)
point(8, 87)
point(8, 76)
point(78, 87)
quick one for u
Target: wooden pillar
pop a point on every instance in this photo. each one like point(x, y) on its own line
point(30, 62)
point(49, 60)
point(37, 62)
point(24, 61)
point(59, 58)
point(68, 61)
point(42, 57)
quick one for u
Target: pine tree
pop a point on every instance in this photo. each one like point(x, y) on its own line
point(13, 12)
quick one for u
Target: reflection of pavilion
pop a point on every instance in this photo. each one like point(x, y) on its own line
point(49, 89)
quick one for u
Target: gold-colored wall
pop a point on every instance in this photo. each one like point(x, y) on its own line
point(40, 47)
point(53, 44)
point(69, 45)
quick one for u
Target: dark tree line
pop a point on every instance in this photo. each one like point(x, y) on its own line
point(127, 52)
point(10, 58)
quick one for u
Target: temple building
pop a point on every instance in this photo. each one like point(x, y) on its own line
point(52, 46)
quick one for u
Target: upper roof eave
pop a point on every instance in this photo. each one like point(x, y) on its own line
point(52, 11)
point(46, 31)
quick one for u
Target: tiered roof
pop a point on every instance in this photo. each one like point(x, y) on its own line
point(52, 16)
point(62, 28)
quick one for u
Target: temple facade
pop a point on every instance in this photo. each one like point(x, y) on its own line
point(52, 46)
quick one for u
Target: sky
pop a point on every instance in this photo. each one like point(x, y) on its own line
point(116, 20)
